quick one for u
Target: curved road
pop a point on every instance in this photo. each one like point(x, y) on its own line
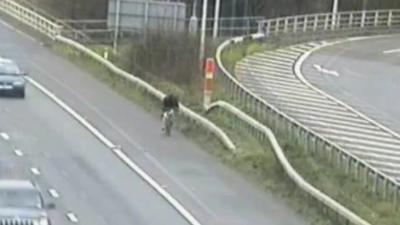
point(365, 74)
point(368, 76)
point(94, 184)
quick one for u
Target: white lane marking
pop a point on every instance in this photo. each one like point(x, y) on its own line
point(18, 152)
point(157, 187)
point(5, 136)
point(376, 156)
point(343, 140)
point(325, 71)
point(311, 119)
point(384, 164)
point(72, 217)
point(391, 51)
point(53, 193)
point(366, 148)
point(388, 140)
point(35, 171)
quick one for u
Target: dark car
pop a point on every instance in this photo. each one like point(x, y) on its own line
point(21, 203)
point(12, 80)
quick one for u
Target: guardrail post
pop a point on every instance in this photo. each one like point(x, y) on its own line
point(338, 21)
point(295, 22)
point(363, 16)
point(326, 21)
point(315, 26)
point(348, 165)
point(268, 31)
point(351, 17)
point(277, 24)
point(376, 183)
point(285, 29)
point(305, 24)
point(390, 16)
point(366, 176)
point(376, 18)
point(357, 170)
point(260, 27)
point(385, 188)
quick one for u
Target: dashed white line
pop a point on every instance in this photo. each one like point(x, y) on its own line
point(391, 51)
point(18, 153)
point(35, 171)
point(72, 217)
point(5, 136)
point(323, 70)
point(53, 193)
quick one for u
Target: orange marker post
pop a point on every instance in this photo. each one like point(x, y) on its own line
point(209, 81)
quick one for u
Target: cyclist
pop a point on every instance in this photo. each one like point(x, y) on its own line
point(169, 102)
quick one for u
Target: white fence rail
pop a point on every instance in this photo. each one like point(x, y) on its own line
point(52, 30)
point(379, 183)
point(265, 134)
point(30, 18)
point(342, 21)
point(352, 20)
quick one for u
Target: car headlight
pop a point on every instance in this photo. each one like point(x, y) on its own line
point(18, 83)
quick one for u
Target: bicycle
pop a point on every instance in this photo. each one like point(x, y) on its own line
point(168, 121)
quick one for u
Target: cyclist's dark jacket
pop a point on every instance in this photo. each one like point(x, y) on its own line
point(169, 102)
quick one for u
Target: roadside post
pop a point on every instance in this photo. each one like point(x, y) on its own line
point(209, 81)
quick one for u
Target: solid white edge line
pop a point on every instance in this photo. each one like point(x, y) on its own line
point(72, 217)
point(157, 187)
point(5, 136)
point(391, 51)
point(326, 71)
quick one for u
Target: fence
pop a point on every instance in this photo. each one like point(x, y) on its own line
point(380, 183)
point(352, 22)
point(98, 31)
point(264, 134)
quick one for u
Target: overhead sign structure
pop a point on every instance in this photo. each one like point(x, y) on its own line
point(139, 15)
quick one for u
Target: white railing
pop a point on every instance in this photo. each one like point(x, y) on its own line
point(33, 19)
point(265, 134)
point(52, 30)
point(379, 182)
point(342, 21)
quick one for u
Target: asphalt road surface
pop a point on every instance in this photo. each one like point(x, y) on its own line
point(91, 182)
point(368, 76)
